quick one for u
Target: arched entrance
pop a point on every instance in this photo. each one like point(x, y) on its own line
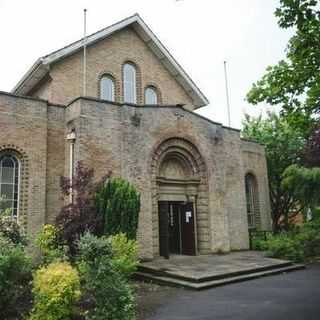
point(180, 184)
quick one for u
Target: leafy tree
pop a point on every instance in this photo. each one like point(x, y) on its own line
point(80, 215)
point(294, 83)
point(304, 183)
point(118, 203)
point(311, 154)
point(284, 146)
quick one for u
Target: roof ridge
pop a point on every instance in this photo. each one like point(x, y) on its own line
point(90, 35)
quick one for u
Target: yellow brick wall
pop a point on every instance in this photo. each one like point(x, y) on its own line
point(108, 56)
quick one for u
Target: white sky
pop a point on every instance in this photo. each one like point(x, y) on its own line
point(200, 34)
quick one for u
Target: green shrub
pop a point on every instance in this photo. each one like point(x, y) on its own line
point(56, 289)
point(50, 246)
point(118, 202)
point(300, 244)
point(125, 254)
point(111, 295)
point(15, 275)
point(91, 248)
point(309, 237)
point(9, 228)
point(284, 246)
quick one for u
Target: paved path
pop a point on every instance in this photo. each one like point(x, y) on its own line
point(292, 296)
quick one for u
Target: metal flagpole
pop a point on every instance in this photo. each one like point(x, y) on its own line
point(227, 92)
point(85, 53)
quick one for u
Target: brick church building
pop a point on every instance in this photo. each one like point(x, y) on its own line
point(202, 186)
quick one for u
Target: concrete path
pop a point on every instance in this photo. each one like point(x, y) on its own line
point(294, 296)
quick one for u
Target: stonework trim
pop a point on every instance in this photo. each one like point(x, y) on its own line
point(190, 153)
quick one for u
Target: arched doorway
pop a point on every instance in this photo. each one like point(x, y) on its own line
point(180, 183)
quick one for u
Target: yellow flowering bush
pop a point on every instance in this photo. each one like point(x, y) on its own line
point(50, 247)
point(56, 288)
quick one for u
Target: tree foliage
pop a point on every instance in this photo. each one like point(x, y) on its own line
point(294, 83)
point(304, 184)
point(80, 215)
point(284, 146)
point(118, 203)
point(311, 153)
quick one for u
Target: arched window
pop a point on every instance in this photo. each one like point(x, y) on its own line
point(252, 201)
point(129, 83)
point(9, 183)
point(150, 95)
point(107, 88)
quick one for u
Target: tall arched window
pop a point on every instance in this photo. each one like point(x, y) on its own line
point(9, 183)
point(252, 201)
point(107, 88)
point(129, 83)
point(151, 95)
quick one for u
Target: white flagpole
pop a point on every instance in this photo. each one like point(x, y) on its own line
point(85, 53)
point(227, 92)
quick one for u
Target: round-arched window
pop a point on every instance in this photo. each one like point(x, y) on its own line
point(252, 199)
point(151, 96)
point(107, 88)
point(9, 184)
point(129, 83)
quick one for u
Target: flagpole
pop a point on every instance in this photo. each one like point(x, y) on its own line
point(227, 92)
point(84, 52)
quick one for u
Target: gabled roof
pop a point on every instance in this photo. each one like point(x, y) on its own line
point(42, 65)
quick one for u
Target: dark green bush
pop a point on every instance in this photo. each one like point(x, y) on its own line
point(15, 277)
point(111, 295)
point(118, 203)
point(300, 244)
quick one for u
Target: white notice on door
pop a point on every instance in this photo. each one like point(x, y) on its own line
point(188, 216)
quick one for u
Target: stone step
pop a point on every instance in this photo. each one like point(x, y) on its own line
point(189, 278)
point(214, 283)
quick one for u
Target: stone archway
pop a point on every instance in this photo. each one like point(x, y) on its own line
point(179, 174)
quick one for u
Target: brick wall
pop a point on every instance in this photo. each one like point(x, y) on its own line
point(23, 128)
point(108, 56)
point(123, 139)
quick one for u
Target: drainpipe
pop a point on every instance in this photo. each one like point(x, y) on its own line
point(71, 137)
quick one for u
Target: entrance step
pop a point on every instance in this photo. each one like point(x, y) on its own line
point(205, 278)
point(193, 283)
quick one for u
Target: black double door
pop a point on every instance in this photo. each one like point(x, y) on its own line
point(176, 228)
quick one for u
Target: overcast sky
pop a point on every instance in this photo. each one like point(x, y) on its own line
point(200, 34)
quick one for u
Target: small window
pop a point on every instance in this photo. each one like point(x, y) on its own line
point(151, 96)
point(129, 83)
point(9, 184)
point(107, 88)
